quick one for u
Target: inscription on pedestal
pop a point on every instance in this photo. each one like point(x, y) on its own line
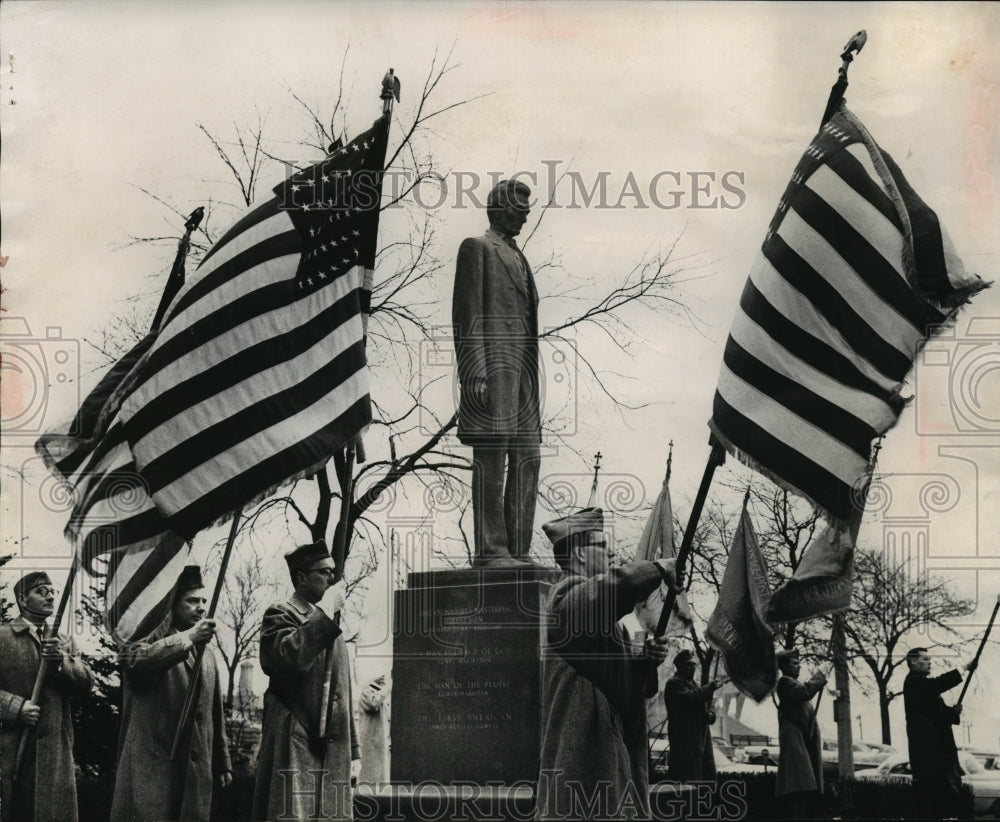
point(467, 682)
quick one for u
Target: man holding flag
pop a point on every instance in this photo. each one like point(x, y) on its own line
point(689, 716)
point(937, 775)
point(45, 786)
point(800, 763)
point(151, 786)
point(594, 760)
point(302, 772)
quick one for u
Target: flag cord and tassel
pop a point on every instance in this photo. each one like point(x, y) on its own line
point(43, 667)
point(716, 458)
point(979, 651)
point(187, 710)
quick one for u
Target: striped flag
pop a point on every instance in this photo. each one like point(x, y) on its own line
point(657, 542)
point(258, 373)
point(737, 626)
point(114, 526)
point(854, 274)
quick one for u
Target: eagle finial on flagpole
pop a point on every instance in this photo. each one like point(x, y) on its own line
point(670, 459)
point(854, 45)
point(390, 90)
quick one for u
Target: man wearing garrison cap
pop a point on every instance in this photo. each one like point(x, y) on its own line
point(305, 770)
point(594, 761)
point(150, 786)
point(688, 720)
point(800, 763)
point(46, 783)
point(495, 318)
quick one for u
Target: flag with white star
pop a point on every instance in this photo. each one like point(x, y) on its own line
point(258, 374)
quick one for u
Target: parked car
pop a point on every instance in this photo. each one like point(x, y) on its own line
point(865, 756)
point(990, 760)
point(659, 760)
point(985, 784)
point(758, 755)
point(659, 755)
point(724, 746)
point(725, 765)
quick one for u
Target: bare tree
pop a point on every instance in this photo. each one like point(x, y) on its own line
point(245, 594)
point(420, 459)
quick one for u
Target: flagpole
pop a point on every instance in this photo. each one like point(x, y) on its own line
point(979, 651)
point(593, 486)
point(339, 558)
point(43, 667)
point(716, 457)
point(196, 672)
point(390, 91)
point(176, 278)
point(855, 44)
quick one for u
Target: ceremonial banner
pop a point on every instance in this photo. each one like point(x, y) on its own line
point(822, 582)
point(258, 373)
point(737, 627)
point(657, 542)
point(854, 274)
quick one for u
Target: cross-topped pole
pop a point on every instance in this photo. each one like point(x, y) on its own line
point(593, 486)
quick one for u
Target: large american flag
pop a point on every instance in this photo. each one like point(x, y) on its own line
point(854, 274)
point(116, 530)
point(258, 373)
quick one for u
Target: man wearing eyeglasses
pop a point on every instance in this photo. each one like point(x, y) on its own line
point(45, 790)
point(309, 754)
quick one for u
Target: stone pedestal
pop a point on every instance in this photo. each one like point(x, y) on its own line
point(466, 696)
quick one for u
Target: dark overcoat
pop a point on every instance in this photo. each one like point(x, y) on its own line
point(149, 786)
point(933, 754)
point(495, 317)
point(594, 761)
point(800, 758)
point(47, 770)
point(691, 755)
point(295, 640)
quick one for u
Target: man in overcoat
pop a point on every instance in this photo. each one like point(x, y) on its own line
point(45, 790)
point(933, 754)
point(800, 760)
point(150, 786)
point(594, 759)
point(305, 772)
point(688, 706)
point(495, 318)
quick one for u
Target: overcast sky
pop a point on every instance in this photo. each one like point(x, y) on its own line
point(99, 98)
